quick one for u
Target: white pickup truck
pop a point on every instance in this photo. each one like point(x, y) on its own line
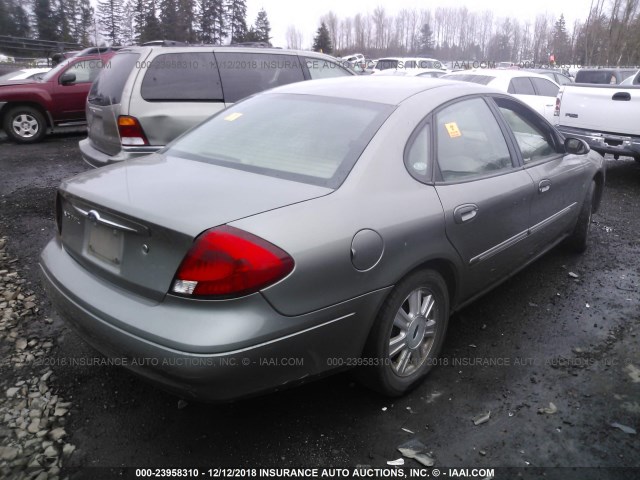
point(607, 117)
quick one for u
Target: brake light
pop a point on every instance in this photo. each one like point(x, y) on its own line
point(130, 131)
point(556, 112)
point(227, 262)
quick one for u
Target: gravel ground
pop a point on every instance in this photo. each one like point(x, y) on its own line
point(552, 356)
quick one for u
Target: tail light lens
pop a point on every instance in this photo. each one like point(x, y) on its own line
point(130, 130)
point(556, 112)
point(226, 262)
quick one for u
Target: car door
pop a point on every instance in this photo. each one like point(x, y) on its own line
point(485, 194)
point(558, 177)
point(69, 98)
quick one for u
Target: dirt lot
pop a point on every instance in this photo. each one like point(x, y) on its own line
point(545, 336)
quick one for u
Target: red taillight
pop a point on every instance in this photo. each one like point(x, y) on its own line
point(130, 130)
point(556, 112)
point(227, 262)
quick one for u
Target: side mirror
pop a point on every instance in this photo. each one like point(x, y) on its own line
point(67, 78)
point(576, 146)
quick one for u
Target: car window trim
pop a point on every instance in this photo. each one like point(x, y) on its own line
point(437, 173)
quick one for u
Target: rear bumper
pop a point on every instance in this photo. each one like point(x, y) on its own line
point(623, 145)
point(243, 347)
point(97, 159)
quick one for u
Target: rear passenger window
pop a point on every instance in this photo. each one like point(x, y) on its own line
point(545, 87)
point(182, 77)
point(521, 86)
point(244, 74)
point(470, 142)
point(416, 156)
point(319, 68)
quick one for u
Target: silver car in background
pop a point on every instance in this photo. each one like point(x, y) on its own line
point(313, 227)
point(147, 96)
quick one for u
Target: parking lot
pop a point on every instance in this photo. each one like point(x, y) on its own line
point(563, 331)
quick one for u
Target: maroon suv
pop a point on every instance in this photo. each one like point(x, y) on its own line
point(30, 107)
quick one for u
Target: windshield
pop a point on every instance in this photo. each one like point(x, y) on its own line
point(303, 138)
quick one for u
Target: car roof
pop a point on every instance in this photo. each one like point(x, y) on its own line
point(226, 48)
point(391, 90)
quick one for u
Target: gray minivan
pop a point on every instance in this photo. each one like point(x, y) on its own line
point(147, 96)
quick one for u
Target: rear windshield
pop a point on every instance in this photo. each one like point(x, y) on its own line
point(107, 88)
point(304, 138)
point(481, 79)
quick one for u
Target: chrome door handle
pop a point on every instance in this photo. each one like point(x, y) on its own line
point(465, 213)
point(544, 186)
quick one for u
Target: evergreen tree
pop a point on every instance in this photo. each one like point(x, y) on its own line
point(186, 20)
point(426, 39)
point(263, 27)
point(45, 22)
point(237, 20)
point(64, 14)
point(83, 32)
point(110, 19)
point(560, 43)
point(212, 21)
point(14, 21)
point(169, 20)
point(322, 40)
point(128, 23)
point(152, 29)
point(251, 35)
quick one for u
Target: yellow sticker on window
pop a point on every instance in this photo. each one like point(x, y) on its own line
point(453, 130)
point(232, 117)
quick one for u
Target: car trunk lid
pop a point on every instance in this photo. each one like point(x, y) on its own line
point(133, 223)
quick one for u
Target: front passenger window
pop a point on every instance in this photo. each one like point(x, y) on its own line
point(533, 138)
point(470, 142)
point(86, 71)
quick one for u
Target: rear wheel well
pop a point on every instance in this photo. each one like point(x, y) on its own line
point(448, 272)
point(11, 105)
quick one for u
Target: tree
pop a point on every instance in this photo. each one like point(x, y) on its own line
point(294, 38)
point(110, 19)
point(212, 21)
point(169, 19)
point(426, 39)
point(237, 20)
point(44, 20)
point(262, 27)
point(128, 23)
point(82, 32)
point(13, 19)
point(322, 40)
point(65, 12)
point(560, 45)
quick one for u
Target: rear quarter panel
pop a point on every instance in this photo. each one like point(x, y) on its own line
point(380, 195)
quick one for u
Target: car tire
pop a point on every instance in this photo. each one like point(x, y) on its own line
point(578, 241)
point(407, 335)
point(25, 124)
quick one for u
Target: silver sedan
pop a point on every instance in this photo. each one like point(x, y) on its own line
point(314, 227)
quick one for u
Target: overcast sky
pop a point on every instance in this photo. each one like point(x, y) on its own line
point(305, 15)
